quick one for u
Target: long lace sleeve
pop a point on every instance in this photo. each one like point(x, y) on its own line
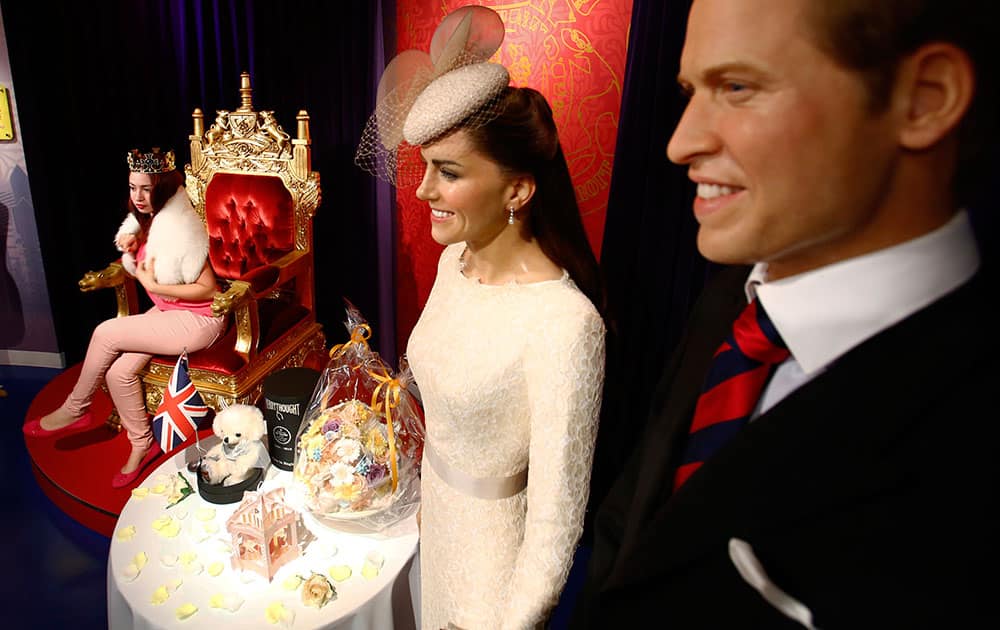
point(565, 370)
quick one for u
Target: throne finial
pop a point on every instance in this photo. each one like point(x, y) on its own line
point(245, 90)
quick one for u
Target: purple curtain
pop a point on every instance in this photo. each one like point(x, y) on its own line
point(385, 199)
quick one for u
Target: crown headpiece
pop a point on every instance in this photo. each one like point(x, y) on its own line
point(153, 162)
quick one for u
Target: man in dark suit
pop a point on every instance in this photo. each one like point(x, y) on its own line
point(830, 143)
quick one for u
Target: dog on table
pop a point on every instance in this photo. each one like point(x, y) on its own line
point(241, 429)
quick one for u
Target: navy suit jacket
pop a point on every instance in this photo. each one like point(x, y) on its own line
point(868, 494)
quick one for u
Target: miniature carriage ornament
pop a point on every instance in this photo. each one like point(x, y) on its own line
point(265, 533)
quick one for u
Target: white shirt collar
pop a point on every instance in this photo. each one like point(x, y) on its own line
point(821, 314)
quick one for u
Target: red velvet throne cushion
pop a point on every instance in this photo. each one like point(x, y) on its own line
point(251, 223)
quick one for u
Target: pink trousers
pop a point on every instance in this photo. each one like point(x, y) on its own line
point(120, 347)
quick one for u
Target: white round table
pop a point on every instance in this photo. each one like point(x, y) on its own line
point(386, 601)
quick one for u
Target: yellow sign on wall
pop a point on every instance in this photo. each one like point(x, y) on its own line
point(6, 122)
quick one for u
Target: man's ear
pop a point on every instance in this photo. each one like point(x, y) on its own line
point(934, 88)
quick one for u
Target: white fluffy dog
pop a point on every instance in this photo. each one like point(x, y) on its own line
point(241, 429)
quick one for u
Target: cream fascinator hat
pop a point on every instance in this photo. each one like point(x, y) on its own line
point(421, 96)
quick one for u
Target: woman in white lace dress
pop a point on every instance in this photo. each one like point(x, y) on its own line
point(508, 353)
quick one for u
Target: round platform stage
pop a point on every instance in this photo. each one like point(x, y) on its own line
point(75, 470)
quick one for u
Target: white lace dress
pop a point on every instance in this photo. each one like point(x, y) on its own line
point(508, 375)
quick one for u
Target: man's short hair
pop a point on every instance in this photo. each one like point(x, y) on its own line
point(872, 37)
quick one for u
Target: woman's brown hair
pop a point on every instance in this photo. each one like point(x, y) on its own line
point(523, 139)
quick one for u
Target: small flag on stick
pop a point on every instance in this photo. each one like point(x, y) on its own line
point(181, 413)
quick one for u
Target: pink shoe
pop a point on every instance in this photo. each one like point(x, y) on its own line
point(120, 480)
point(33, 428)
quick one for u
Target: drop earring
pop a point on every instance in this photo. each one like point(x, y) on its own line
point(510, 217)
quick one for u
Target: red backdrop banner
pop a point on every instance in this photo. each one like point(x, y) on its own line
point(573, 52)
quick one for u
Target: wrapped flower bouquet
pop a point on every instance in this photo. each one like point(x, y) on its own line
point(344, 460)
point(358, 449)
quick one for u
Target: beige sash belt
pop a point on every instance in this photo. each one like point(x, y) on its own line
point(479, 487)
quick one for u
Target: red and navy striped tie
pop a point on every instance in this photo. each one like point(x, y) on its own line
point(740, 368)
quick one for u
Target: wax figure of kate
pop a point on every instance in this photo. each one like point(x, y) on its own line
point(829, 145)
point(165, 246)
point(508, 352)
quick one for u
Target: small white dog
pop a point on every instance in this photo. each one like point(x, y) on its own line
point(241, 429)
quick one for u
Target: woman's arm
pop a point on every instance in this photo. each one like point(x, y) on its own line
point(565, 370)
point(203, 288)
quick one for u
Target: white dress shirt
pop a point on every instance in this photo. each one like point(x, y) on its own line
point(822, 314)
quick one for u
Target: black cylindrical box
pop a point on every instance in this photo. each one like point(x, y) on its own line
point(286, 396)
point(222, 494)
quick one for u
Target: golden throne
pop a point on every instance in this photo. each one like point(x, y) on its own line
point(253, 186)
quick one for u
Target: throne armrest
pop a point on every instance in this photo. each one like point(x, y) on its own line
point(260, 281)
point(240, 300)
point(241, 297)
point(293, 264)
point(114, 276)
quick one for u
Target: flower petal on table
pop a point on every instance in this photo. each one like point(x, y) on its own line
point(131, 572)
point(376, 558)
point(126, 533)
point(276, 613)
point(162, 522)
point(322, 548)
point(222, 546)
point(168, 559)
point(184, 611)
point(226, 601)
point(205, 514)
point(292, 582)
point(160, 595)
point(140, 493)
point(340, 572)
point(170, 530)
point(216, 568)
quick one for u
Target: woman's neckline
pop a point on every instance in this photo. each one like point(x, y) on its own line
point(510, 283)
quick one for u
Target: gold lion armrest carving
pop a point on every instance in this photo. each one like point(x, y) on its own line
point(114, 276)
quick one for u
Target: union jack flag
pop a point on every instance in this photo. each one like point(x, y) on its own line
point(182, 412)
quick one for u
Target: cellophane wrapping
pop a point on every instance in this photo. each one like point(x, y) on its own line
point(358, 448)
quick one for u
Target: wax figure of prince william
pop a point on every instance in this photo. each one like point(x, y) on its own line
point(829, 142)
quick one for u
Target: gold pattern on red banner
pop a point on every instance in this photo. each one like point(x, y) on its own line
point(573, 52)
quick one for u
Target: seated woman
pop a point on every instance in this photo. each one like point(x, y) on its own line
point(165, 246)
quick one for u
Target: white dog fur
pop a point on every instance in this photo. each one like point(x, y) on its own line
point(177, 240)
point(241, 429)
